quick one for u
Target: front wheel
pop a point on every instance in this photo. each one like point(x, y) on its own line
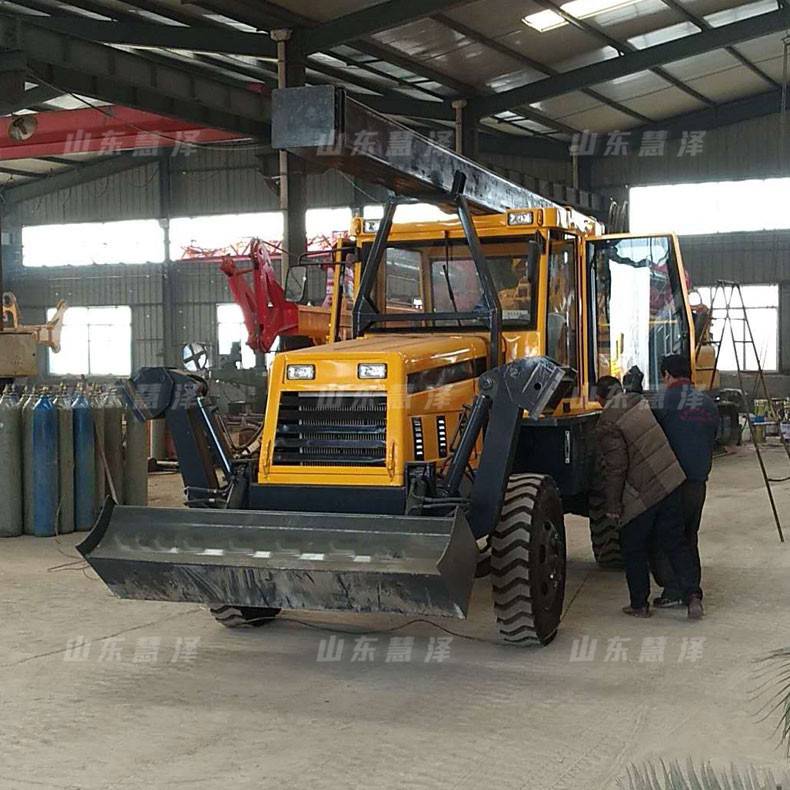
point(243, 616)
point(528, 561)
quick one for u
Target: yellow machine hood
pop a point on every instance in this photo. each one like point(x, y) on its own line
point(414, 351)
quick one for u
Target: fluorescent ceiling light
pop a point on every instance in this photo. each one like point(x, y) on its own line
point(581, 9)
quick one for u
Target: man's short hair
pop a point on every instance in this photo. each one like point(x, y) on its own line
point(677, 366)
point(607, 387)
point(633, 381)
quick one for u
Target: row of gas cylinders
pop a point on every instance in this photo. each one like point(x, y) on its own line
point(63, 452)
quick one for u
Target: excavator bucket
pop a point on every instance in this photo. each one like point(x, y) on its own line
point(320, 561)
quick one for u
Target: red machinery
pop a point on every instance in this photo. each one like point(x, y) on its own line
point(267, 313)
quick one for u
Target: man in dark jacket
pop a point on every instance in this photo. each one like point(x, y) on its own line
point(690, 420)
point(642, 478)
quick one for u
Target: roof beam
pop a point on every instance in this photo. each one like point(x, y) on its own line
point(367, 21)
point(520, 57)
point(101, 168)
point(620, 46)
point(267, 14)
point(15, 171)
point(638, 60)
point(724, 114)
point(74, 65)
point(703, 24)
point(141, 34)
point(206, 39)
point(37, 95)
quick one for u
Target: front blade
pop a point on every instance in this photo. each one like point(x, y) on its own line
point(320, 561)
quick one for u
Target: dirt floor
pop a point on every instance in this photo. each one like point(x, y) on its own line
point(103, 693)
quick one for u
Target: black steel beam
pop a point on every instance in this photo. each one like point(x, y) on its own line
point(323, 124)
point(367, 21)
point(15, 171)
point(230, 42)
point(30, 98)
point(72, 64)
point(520, 57)
point(703, 24)
point(722, 114)
point(141, 34)
point(639, 60)
point(266, 15)
point(45, 185)
point(619, 46)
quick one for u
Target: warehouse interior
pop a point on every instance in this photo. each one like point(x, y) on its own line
point(199, 226)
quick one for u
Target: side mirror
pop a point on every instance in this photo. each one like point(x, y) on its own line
point(296, 283)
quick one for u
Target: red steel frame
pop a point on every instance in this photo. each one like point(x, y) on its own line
point(108, 130)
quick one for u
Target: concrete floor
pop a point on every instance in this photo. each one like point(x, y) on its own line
point(256, 709)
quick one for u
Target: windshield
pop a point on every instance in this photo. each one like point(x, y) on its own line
point(435, 277)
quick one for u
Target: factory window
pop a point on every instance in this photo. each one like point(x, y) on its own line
point(712, 207)
point(96, 341)
point(230, 330)
point(86, 243)
point(229, 234)
point(762, 310)
point(224, 234)
point(410, 212)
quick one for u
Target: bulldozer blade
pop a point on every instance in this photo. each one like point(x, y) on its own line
point(318, 561)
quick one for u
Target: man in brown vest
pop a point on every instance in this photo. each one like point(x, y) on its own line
point(642, 479)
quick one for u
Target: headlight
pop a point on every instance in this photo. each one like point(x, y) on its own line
point(372, 370)
point(300, 372)
point(520, 218)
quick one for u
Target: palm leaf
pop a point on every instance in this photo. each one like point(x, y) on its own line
point(659, 775)
point(772, 692)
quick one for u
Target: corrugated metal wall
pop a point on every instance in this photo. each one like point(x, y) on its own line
point(213, 181)
point(762, 257)
point(221, 182)
point(745, 150)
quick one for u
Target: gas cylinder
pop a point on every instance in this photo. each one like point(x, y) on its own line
point(45, 468)
point(65, 461)
point(84, 463)
point(97, 410)
point(135, 472)
point(11, 493)
point(113, 443)
point(26, 409)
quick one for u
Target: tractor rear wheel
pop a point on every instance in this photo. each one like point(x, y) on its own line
point(604, 534)
point(528, 561)
point(243, 616)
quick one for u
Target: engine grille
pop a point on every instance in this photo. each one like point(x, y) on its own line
point(331, 429)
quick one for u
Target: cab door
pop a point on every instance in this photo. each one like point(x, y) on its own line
point(638, 305)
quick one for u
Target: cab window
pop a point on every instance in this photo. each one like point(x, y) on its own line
point(562, 340)
point(640, 313)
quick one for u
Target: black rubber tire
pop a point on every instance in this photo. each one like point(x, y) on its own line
point(483, 559)
point(604, 535)
point(243, 616)
point(528, 561)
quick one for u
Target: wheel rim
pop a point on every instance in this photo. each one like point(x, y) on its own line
point(549, 566)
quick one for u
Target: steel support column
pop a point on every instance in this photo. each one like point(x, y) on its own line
point(467, 134)
point(293, 176)
point(169, 334)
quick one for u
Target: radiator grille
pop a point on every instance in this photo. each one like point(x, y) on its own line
point(331, 429)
